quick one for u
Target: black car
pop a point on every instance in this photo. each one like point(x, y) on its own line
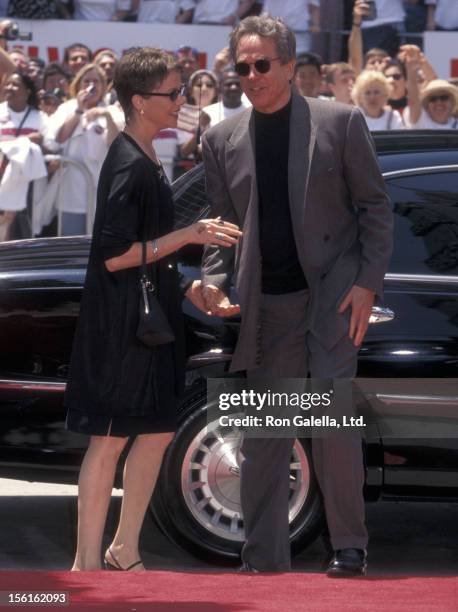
point(407, 372)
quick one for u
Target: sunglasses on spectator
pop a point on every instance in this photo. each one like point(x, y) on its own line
point(261, 65)
point(439, 98)
point(396, 77)
point(173, 95)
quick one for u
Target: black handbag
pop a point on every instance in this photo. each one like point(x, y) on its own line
point(153, 328)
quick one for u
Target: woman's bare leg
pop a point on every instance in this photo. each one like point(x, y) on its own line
point(140, 474)
point(95, 485)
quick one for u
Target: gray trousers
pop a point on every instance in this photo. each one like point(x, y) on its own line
point(288, 351)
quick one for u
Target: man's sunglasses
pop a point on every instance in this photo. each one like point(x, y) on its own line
point(261, 65)
point(173, 95)
point(439, 98)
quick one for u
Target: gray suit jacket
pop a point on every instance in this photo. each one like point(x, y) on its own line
point(340, 211)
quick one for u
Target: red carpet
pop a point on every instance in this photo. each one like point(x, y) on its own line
point(229, 592)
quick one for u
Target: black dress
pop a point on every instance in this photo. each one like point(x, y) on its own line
point(118, 386)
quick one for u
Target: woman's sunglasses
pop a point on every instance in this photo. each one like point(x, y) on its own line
point(261, 65)
point(439, 98)
point(173, 95)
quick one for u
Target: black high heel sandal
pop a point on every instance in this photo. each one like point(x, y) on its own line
point(116, 566)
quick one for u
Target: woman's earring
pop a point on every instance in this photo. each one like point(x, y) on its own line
point(142, 112)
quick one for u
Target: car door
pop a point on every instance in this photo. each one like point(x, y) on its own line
point(413, 359)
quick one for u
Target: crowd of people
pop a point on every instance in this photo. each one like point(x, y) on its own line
point(57, 120)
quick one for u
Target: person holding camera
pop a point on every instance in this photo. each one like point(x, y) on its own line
point(119, 387)
point(381, 23)
point(84, 127)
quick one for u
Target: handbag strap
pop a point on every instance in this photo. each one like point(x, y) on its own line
point(146, 219)
point(23, 120)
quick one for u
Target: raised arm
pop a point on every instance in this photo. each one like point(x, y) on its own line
point(411, 58)
point(355, 40)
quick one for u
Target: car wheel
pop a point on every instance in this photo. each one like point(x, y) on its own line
point(197, 498)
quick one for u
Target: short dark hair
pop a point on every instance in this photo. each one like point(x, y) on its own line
point(32, 99)
point(309, 59)
point(56, 68)
point(395, 63)
point(375, 51)
point(187, 49)
point(272, 28)
point(73, 46)
point(139, 71)
point(37, 60)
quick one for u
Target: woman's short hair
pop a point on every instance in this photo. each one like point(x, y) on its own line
point(272, 28)
point(32, 98)
point(369, 77)
point(197, 75)
point(75, 85)
point(139, 71)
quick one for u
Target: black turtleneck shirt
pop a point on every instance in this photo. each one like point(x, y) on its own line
point(281, 270)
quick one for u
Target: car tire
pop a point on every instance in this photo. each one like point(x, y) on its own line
point(196, 502)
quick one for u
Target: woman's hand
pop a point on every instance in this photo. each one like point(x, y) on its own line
point(214, 231)
point(86, 98)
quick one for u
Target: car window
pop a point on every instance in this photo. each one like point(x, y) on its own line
point(190, 200)
point(426, 223)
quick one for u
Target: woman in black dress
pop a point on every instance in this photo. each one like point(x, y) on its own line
point(118, 387)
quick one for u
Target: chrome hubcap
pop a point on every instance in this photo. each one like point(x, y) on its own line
point(210, 480)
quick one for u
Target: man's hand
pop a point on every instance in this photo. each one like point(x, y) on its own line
point(217, 303)
point(361, 301)
point(194, 294)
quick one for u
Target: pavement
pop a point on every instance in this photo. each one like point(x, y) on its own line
point(38, 532)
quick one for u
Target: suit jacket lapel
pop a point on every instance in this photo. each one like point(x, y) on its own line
point(302, 138)
point(241, 165)
point(241, 172)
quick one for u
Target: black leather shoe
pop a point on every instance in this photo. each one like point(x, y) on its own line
point(246, 568)
point(348, 562)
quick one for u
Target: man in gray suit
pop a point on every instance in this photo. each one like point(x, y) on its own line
point(300, 176)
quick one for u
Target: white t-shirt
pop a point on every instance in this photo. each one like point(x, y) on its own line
point(295, 13)
point(390, 120)
point(218, 112)
point(87, 145)
point(36, 121)
point(426, 123)
point(388, 11)
point(98, 10)
point(158, 11)
point(210, 11)
point(446, 15)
